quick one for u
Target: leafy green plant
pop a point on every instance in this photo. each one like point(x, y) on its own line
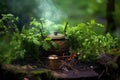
point(29, 44)
point(87, 42)
point(16, 45)
point(8, 45)
point(34, 41)
point(41, 30)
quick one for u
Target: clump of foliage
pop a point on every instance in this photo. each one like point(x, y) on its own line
point(35, 40)
point(32, 42)
point(8, 44)
point(87, 42)
point(27, 45)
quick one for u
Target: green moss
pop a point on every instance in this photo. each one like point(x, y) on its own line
point(113, 64)
point(37, 72)
point(42, 75)
point(15, 72)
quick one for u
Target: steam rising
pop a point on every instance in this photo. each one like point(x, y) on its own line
point(37, 8)
point(50, 11)
point(45, 9)
point(51, 14)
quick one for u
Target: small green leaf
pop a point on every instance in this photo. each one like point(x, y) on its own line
point(46, 46)
point(92, 21)
point(35, 41)
point(48, 39)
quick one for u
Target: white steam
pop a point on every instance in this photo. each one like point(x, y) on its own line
point(49, 11)
point(52, 15)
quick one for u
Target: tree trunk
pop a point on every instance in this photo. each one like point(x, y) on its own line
point(3, 7)
point(111, 26)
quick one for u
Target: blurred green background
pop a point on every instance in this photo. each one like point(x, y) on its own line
point(60, 11)
point(73, 11)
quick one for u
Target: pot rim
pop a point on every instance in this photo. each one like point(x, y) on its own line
point(58, 36)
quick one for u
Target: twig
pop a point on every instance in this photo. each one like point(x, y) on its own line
point(64, 63)
point(65, 28)
point(101, 74)
point(41, 29)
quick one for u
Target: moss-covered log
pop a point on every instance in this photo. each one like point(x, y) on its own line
point(15, 72)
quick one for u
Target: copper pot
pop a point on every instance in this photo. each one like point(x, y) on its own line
point(53, 62)
point(61, 42)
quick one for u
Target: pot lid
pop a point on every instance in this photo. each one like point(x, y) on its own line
point(56, 36)
point(53, 57)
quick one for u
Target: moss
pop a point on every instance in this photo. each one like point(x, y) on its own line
point(15, 72)
point(42, 75)
point(113, 65)
point(37, 72)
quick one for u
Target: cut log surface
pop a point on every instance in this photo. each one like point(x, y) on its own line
point(74, 74)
